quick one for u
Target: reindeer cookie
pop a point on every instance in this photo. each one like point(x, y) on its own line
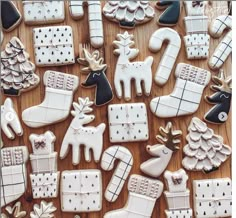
point(222, 99)
point(96, 77)
point(162, 152)
point(10, 120)
point(77, 134)
point(127, 71)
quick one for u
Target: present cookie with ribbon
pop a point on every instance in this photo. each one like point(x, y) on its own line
point(128, 122)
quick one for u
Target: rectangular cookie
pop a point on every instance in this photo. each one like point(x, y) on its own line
point(188, 213)
point(196, 24)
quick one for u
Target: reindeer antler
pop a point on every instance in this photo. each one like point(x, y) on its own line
point(92, 61)
point(222, 83)
point(168, 137)
point(83, 106)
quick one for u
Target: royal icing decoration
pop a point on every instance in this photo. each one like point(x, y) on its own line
point(81, 191)
point(171, 14)
point(128, 13)
point(97, 77)
point(14, 212)
point(205, 151)
point(9, 120)
point(13, 173)
point(195, 8)
point(122, 170)
point(53, 46)
point(187, 94)
point(43, 12)
point(94, 17)
point(212, 198)
point(78, 134)
point(221, 99)
point(44, 209)
point(161, 153)
point(196, 24)
point(58, 98)
point(128, 122)
point(17, 72)
point(127, 71)
point(224, 49)
point(143, 193)
point(170, 55)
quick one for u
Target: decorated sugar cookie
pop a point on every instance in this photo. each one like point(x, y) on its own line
point(44, 209)
point(14, 212)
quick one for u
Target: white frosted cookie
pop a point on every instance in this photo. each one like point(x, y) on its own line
point(14, 211)
point(196, 24)
point(195, 8)
point(44, 209)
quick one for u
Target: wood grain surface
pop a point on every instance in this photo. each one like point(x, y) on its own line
point(142, 35)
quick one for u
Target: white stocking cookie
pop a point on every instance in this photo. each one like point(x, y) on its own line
point(9, 120)
point(224, 49)
point(187, 94)
point(78, 134)
point(171, 53)
point(122, 170)
point(143, 193)
point(161, 153)
point(127, 71)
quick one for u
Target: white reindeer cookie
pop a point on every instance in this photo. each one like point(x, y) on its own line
point(127, 71)
point(9, 118)
point(78, 134)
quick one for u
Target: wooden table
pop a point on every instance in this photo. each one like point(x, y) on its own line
point(141, 36)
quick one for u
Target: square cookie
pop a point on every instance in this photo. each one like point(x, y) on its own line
point(196, 24)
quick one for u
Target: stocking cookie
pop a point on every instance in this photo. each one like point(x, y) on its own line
point(221, 99)
point(78, 134)
point(17, 72)
point(170, 16)
point(224, 49)
point(161, 153)
point(122, 170)
point(94, 17)
point(128, 13)
point(187, 94)
point(127, 71)
point(205, 151)
point(171, 53)
point(10, 120)
point(97, 77)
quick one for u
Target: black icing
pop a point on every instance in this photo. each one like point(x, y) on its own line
point(126, 24)
point(11, 91)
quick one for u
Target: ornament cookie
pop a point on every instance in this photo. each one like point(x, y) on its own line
point(9, 120)
point(53, 46)
point(94, 18)
point(58, 98)
point(212, 198)
point(97, 77)
point(44, 209)
point(10, 16)
point(221, 99)
point(78, 134)
point(170, 55)
point(170, 16)
point(187, 93)
point(128, 13)
point(43, 12)
point(17, 72)
point(127, 71)
point(81, 191)
point(128, 122)
point(13, 173)
point(224, 49)
point(205, 151)
point(161, 153)
point(143, 193)
point(110, 155)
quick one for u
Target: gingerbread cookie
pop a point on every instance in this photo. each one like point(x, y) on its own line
point(97, 77)
point(17, 72)
point(205, 150)
point(170, 55)
point(10, 120)
point(44, 209)
point(78, 134)
point(127, 71)
point(161, 153)
point(128, 13)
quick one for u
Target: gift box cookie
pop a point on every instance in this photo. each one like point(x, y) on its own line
point(128, 122)
point(178, 200)
point(53, 46)
point(195, 8)
point(212, 198)
point(179, 213)
point(42, 12)
point(81, 191)
point(196, 24)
